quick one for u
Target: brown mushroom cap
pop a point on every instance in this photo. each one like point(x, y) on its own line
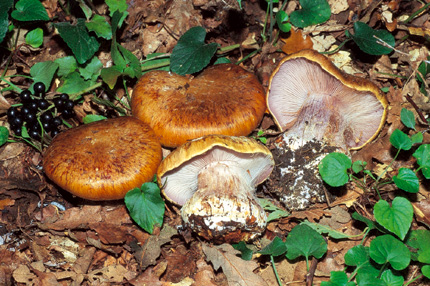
point(103, 160)
point(311, 98)
point(214, 178)
point(223, 99)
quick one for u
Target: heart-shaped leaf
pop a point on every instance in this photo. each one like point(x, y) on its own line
point(333, 169)
point(400, 140)
point(423, 159)
point(386, 248)
point(392, 279)
point(246, 252)
point(408, 118)
point(43, 72)
point(396, 218)
point(29, 10)
point(313, 12)
point(304, 241)
point(191, 54)
point(407, 180)
point(370, 41)
point(275, 248)
point(34, 38)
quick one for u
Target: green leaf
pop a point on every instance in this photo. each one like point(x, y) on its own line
point(357, 256)
point(392, 279)
point(92, 118)
point(304, 241)
point(407, 180)
point(417, 138)
point(132, 61)
point(368, 41)
point(100, 26)
point(222, 60)
point(110, 75)
point(66, 65)
point(426, 271)
point(92, 69)
point(5, 6)
point(386, 248)
point(246, 252)
point(313, 12)
point(337, 278)
point(43, 72)
point(4, 134)
point(370, 223)
point(114, 5)
point(419, 239)
point(146, 206)
point(275, 248)
point(74, 84)
point(282, 21)
point(29, 10)
point(34, 38)
point(275, 212)
point(358, 166)
point(333, 169)
point(77, 38)
point(397, 218)
point(400, 140)
point(320, 228)
point(408, 118)
point(156, 64)
point(191, 54)
point(87, 10)
point(422, 154)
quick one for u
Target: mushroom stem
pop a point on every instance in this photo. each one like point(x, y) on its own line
point(224, 204)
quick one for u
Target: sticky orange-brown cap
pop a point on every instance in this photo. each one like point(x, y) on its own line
point(223, 99)
point(311, 98)
point(103, 160)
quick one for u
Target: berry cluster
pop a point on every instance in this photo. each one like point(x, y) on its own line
point(39, 114)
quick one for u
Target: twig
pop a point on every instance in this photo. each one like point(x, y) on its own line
point(417, 109)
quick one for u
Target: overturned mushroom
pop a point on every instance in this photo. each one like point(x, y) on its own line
point(103, 160)
point(321, 110)
point(224, 99)
point(214, 178)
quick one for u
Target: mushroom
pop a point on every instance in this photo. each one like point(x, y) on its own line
point(321, 110)
point(103, 160)
point(224, 99)
point(214, 178)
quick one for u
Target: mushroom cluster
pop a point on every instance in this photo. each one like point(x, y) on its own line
point(214, 178)
point(103, 160)
point(321, 110)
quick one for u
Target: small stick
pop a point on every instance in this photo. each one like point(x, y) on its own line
point(417, 109)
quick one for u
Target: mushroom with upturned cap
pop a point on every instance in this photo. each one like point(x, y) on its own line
point(224, 99)
point(214, 178)
point(103, 160)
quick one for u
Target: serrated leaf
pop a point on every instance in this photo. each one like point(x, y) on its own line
point(313, 12)
point(304, 241)
point(246, 252)
point(422, 154)
point(333, 169)
point(400, 140)
point(386, 248)
point(146, 206)
point(407, 180)
point(66, 65)
point(5, 6)
point(29, 10)
point(74, 84)
point(408, 118)
point(91, 69)
point(368, 40)
point(396, 218)
point(100, 26)
point(43, 72)
point(92, 118)
point(4, 134)
point(191, 54)
point(34, 38)
point(320, 228)
point(275, 248)
point(78, 39)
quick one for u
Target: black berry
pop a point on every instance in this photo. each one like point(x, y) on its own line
point(57, 121)
point(46, 117)
point(64, 96)
point(25, 96)
point(43, 104)
point(12, 112)
point(68, 104)
point(39, 88)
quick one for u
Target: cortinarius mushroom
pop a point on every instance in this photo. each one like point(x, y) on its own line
point(223, 99)
point(321, 110)
point(103, 160)
point(214, 178)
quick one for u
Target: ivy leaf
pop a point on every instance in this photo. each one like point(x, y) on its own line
point(5, 6)
point(191, 54)
point(34, 38)
point(246, 252)
point(423, 159)
point(77, 38)
point(408, 118)
point(333, 169)
point(4, 134)
point(146, 206)
point(304, 241)
point(400, 140)
point(368, 41)
point(100, 26)
point(313, 12)
point(407, 180)
point(397, 218)
point(386, 248)
point(29, 10)
point(43, 72)
point(275, 248)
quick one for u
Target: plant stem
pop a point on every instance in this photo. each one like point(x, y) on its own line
point(382, 269)
point(419, 11)
point(337, 49)
point(413, 280)
point(248, 56)
point(228, 49)
point(272, 260)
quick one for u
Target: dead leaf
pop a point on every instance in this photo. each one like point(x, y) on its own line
point(422, 211)
point(238, 271)
point(296, 42)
